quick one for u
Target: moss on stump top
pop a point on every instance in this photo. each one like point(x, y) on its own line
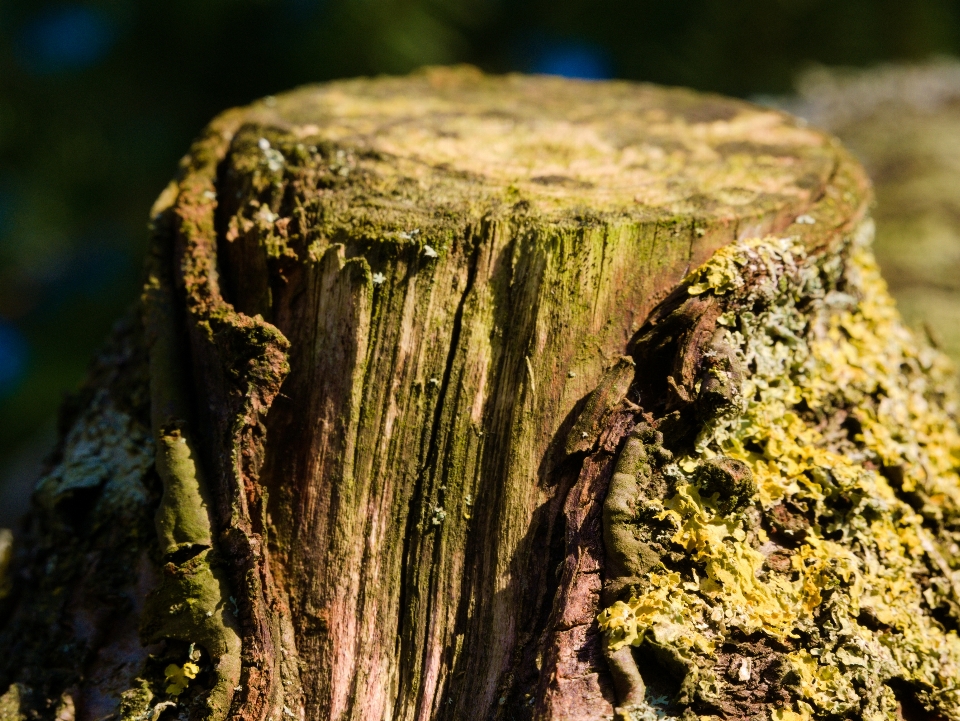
point(452, 142)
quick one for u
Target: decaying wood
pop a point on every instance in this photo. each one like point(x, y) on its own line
point(420, 318)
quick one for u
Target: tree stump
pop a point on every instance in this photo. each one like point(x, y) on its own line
point(467, 397)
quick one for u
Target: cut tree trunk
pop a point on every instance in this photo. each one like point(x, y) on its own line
point(431, 373)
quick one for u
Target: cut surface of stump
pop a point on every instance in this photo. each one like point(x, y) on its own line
point(431, 372)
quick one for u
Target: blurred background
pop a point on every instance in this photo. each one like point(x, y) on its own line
point(99, 98)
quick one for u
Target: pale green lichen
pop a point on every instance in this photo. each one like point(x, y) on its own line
point(825, 352)
point(106, 450)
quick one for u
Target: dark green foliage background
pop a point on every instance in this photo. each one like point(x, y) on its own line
point(85, 149)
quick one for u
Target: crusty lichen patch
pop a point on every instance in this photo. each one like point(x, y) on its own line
point(107, 453)
point(846, 554)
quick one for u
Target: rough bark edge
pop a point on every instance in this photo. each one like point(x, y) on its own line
point(242, 362)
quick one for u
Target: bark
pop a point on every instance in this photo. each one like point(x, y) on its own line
point(429, 373)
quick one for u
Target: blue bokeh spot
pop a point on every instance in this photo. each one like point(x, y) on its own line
point(13, 358)
point(574, 60)
point(70, 37)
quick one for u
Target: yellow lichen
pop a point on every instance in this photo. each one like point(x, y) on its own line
point(666, 611)
point(785, 714)
point(845, 414)
point(178, 677)
point(724, 271)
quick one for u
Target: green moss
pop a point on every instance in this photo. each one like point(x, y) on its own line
point(630, 557)
point(183, 517)
point(727, 482)
point(190, 606)
point(135, 702)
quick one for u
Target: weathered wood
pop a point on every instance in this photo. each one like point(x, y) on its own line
point(396, 297)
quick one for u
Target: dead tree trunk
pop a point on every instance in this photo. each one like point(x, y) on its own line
point(432, 373)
